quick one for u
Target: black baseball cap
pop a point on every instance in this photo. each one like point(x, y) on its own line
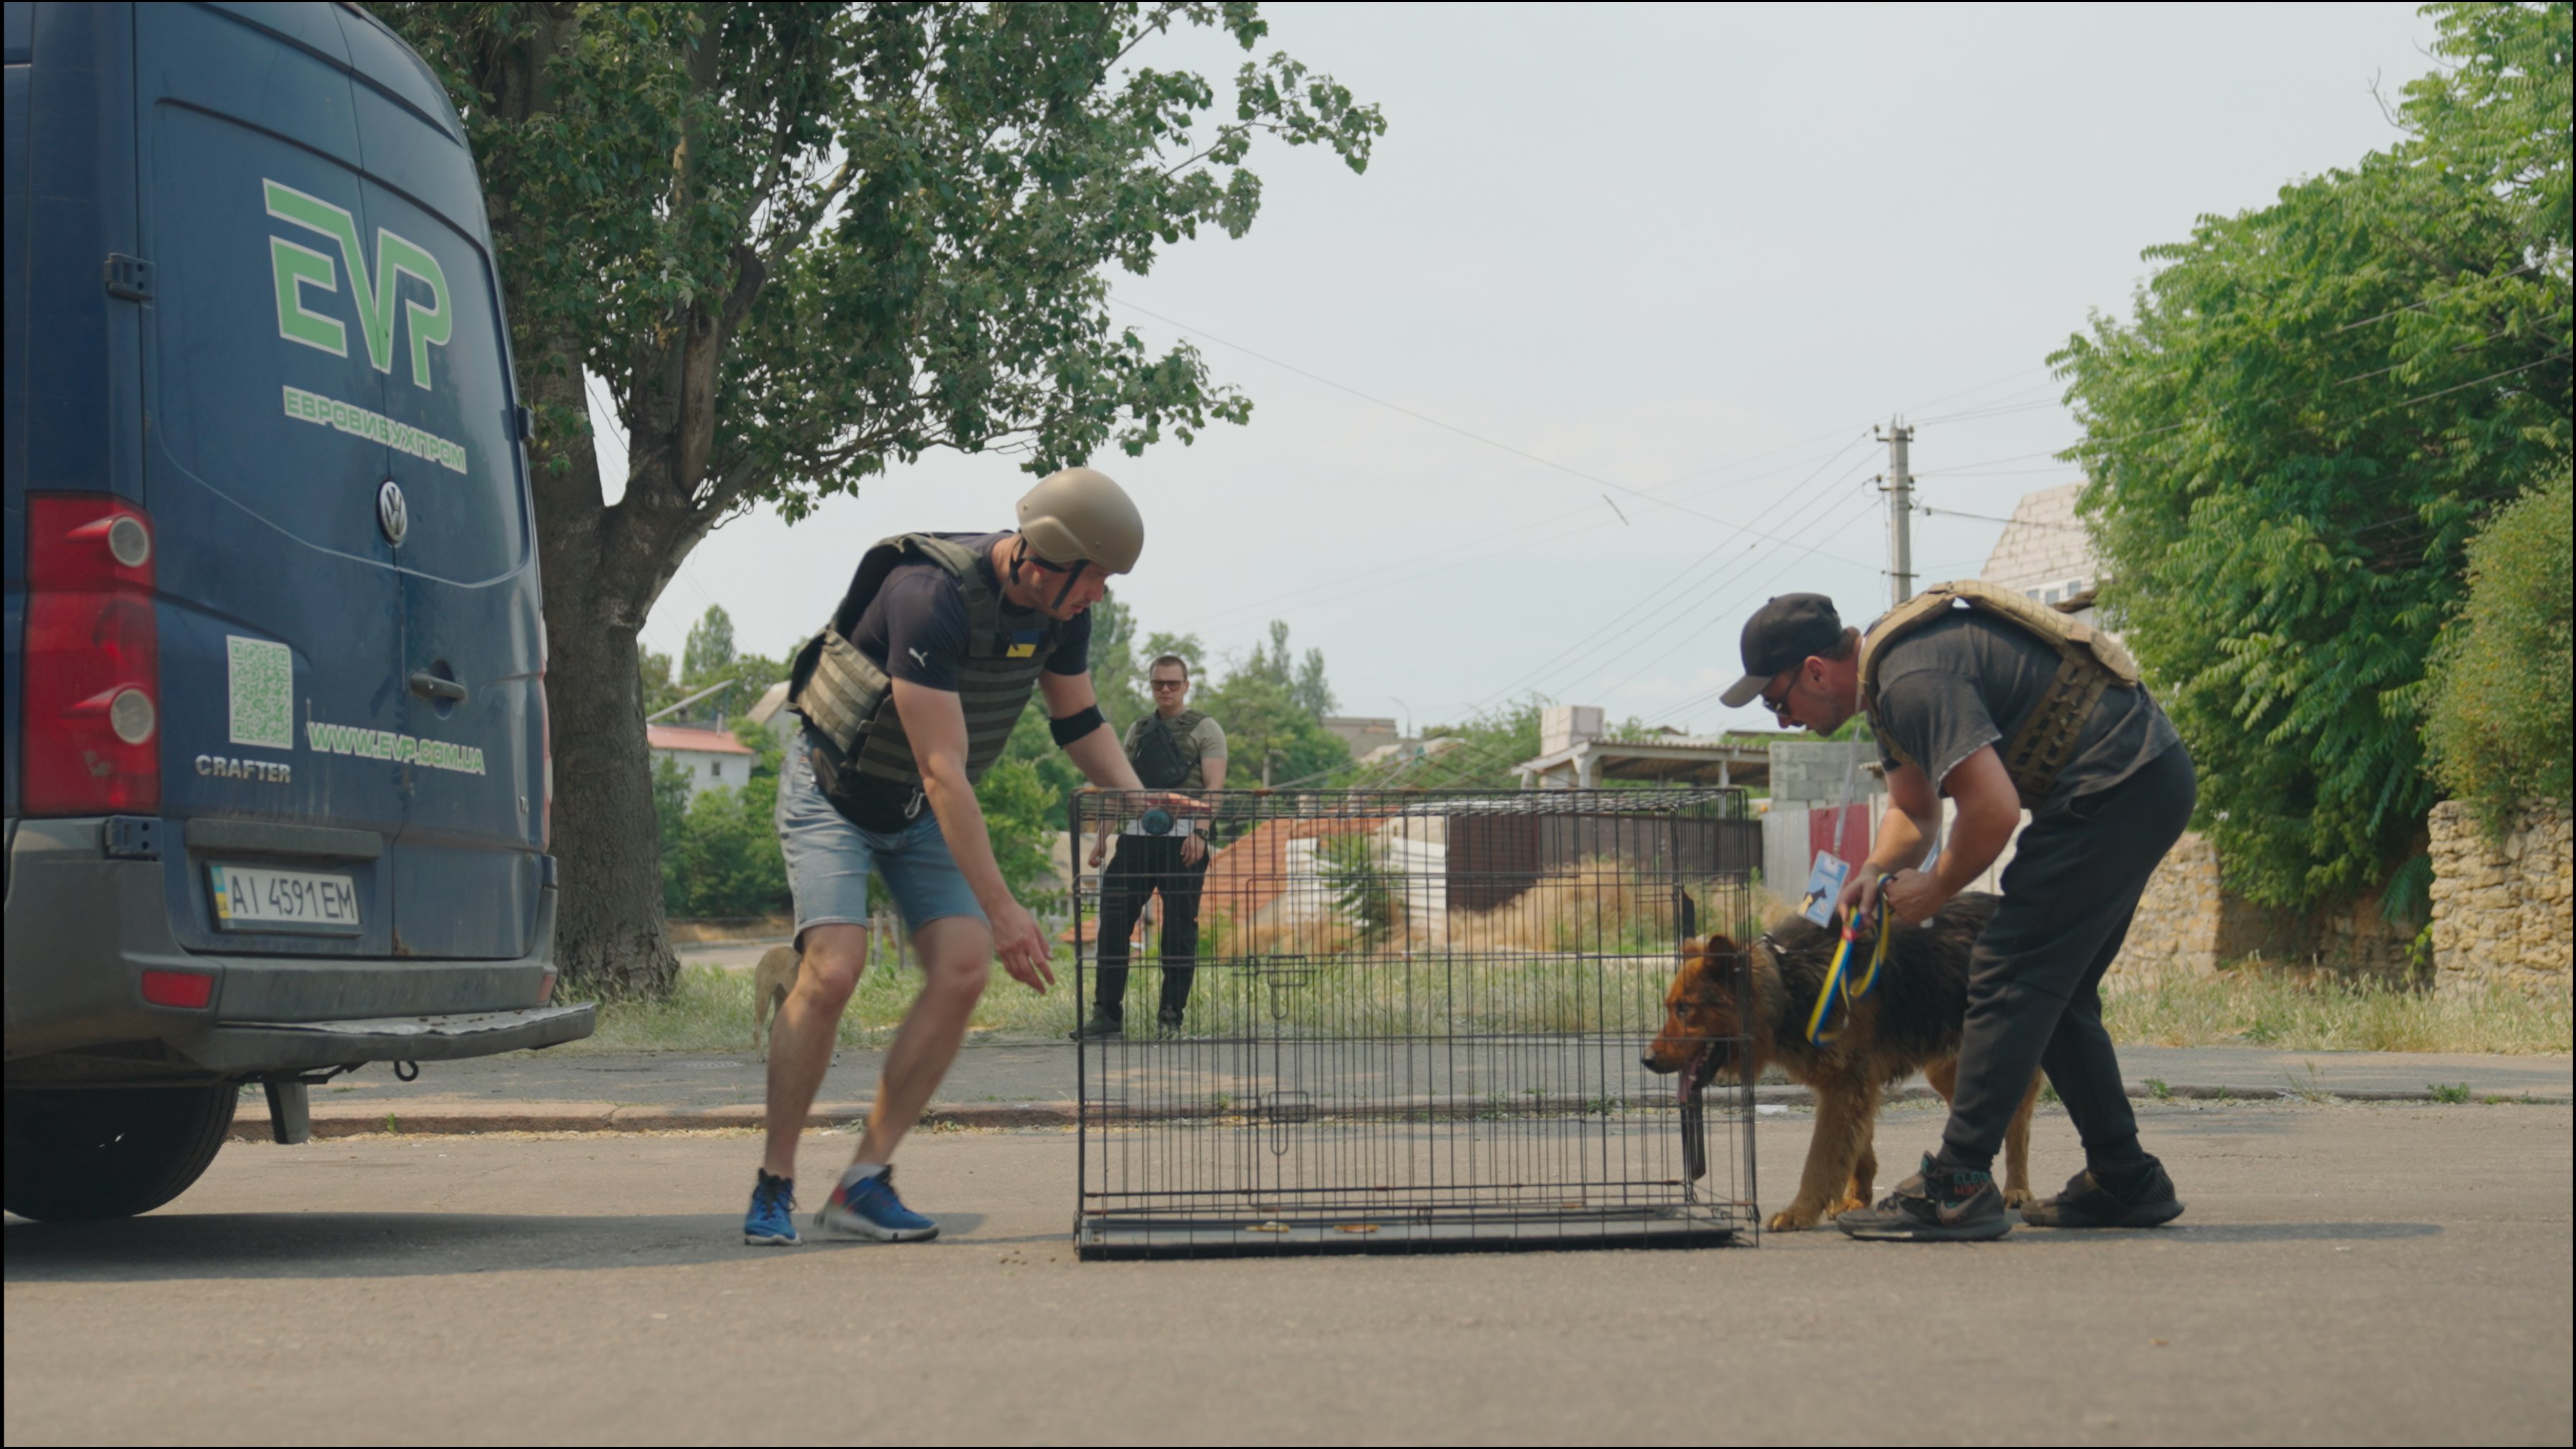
point(1781, 633)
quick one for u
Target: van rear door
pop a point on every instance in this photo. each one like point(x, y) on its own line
point(281, 626)
point(468, 867)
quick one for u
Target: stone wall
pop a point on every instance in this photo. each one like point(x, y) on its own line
point(2501, 909)
point(2186, 924)
point(2176, 928)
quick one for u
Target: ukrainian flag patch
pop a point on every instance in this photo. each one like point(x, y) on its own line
point(1025, 643)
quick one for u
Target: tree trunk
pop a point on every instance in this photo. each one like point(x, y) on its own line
point(611, 939)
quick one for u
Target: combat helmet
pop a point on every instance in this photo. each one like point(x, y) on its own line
point(1079, 518)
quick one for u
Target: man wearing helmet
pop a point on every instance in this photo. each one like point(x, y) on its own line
point(908, 695)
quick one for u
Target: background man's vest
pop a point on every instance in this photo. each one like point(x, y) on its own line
point(2088, 662)
point(850, 701)
point(1172, 762)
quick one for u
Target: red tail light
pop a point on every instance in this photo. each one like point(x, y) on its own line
point(191, 989)
point(92, 730)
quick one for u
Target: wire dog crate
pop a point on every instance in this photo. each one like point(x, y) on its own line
point(1414, 1023)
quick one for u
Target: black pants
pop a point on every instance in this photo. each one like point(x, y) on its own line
point(2035, 979)
point(1142, 865)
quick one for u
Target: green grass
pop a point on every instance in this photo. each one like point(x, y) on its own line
point(710, 1009)
point(2259, 1008)
point(1357, 997)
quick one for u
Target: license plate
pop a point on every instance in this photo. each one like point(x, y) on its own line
point(258, 898)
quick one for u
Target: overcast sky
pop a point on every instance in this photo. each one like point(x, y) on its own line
point(1693, 253)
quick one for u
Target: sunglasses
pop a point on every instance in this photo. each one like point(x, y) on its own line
point(1170, 683)
point(1780, 707)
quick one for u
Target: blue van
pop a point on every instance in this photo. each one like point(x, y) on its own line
point(277, 771)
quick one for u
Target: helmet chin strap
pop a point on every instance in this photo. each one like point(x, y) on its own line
point(1072, 575)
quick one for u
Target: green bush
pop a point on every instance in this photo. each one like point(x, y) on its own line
point(1355, 872)
point(726, 860)
point(2497, 723)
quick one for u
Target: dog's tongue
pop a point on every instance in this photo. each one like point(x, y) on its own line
point(1687, 1081)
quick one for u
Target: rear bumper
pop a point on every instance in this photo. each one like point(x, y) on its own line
point(82, 929)
point(246, 1047)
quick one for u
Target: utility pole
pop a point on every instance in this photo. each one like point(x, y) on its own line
point(1899, 486)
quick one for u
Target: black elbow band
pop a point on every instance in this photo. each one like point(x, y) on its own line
point(1074, 726)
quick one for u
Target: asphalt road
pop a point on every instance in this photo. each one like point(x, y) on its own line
point(1023, 1071)
point(2347, 1272)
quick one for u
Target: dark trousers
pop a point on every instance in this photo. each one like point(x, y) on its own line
point(1142, 865)
point(2035, 979)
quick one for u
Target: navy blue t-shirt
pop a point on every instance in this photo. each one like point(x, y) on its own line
point(915, 630)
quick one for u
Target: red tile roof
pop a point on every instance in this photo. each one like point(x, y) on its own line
point(1248, 875)
point(693, 737)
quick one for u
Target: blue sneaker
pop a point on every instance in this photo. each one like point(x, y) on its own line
point(868, 1208)
point(771, 1223)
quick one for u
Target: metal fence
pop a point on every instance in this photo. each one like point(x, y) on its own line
point(1414, 1022)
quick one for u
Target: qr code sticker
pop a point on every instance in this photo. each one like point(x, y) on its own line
point(263, 692)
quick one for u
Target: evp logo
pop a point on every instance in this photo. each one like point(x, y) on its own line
point(297, 267)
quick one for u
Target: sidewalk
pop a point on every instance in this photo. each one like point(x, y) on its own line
point(1025, 1084)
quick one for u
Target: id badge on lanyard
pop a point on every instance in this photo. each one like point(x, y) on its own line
point(1825, 881)
point(1825, 887)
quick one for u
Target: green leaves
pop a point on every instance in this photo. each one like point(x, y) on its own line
point(2289, 447)
point(2498, 719)
point(799, 243)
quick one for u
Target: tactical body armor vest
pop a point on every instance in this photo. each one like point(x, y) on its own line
point(850, 701)
point(2089, 662)
point(1166, 752)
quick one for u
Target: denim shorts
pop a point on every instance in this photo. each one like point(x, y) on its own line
point(829, 858)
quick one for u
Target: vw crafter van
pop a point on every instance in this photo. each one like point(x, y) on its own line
point(277, 772)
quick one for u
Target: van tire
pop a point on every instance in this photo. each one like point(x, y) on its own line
point(110, 1152)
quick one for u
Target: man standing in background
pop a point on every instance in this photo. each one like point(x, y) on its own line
point(1174, 748)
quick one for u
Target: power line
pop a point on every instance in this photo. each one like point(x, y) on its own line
point(1679, 616)
point(1686, 571)
point(1565, 468)
point(1696, 700)
point(1980, 387)
point(1485, 757)
point(2422, 303)
point(1990, 518)
point(1992, 412)
point(1342, 586)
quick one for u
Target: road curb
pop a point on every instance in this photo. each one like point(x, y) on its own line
point(450, 1120)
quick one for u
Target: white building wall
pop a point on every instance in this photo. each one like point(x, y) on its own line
point(708, 770)
point(2045, 549)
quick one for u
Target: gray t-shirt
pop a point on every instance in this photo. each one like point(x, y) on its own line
point(1209, 737)
point(1957, 685)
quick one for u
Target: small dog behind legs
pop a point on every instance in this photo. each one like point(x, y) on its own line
point(771, 980)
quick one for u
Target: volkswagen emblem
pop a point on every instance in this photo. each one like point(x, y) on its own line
point(390, 512)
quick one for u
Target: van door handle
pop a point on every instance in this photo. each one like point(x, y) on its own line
point(430, 686)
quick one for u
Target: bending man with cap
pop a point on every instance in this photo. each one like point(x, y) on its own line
point(2001, 704)
point(908, 695)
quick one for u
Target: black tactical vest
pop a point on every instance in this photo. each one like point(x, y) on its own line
point(1166, 753)
point(850, 701)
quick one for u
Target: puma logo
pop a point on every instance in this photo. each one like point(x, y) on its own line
point(918, 656)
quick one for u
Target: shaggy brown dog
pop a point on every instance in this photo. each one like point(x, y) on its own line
point(771, 980)
point(1910, 1022)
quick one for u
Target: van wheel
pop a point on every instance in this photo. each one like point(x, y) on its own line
point(110, 1152)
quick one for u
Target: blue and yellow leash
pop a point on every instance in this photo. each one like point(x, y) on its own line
point(1838, 981)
